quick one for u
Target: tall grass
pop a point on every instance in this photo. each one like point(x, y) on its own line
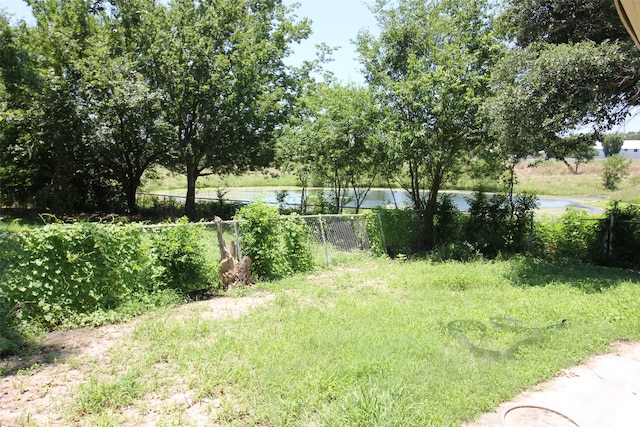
point(369, 345)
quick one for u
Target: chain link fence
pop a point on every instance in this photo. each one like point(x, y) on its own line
point(332, 234)
point(397, 232)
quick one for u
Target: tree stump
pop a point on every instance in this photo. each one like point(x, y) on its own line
point(232, 272)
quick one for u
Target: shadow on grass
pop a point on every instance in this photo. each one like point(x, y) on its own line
point(24, 356)
point(590, 278)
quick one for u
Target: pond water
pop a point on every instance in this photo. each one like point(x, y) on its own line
point(380, 197)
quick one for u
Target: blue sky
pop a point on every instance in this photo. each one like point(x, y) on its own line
point(336, 23)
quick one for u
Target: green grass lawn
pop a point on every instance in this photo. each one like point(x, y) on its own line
point(367, 344)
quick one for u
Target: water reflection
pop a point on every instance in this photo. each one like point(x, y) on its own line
point(378, 197)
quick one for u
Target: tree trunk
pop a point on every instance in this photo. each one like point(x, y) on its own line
point(512, 183)
point(430, 214)
point(232, 272)
point(131, 190)
point(190, 202)
point(415, 185)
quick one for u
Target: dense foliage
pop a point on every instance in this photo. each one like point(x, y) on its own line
point(493, 224)
point(181, 253)
point(98, 92)
point(619, 234)
point(277, 247)
point(60, 270)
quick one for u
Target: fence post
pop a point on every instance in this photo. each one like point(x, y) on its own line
point(237, 236)
point(531, 232)
point(384, 239)
point(610, 236)
point(324, 239)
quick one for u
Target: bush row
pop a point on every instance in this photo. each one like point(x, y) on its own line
point(60, 271)
point(494, 224)
point(500, 225)
point(51, 274)
point(612, 239)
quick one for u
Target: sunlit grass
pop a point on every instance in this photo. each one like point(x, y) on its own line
point(367, 343)
point(161, 179)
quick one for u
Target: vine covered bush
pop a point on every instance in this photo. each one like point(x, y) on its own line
point(180, 251)
point(277, 247)
point(297, 243)
point(60, 270)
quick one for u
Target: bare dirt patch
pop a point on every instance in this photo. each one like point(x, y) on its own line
point(35, 388)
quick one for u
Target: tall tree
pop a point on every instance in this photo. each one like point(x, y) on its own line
point(571, 75)
point(63, 175)
point(221, 65)
point(430, 66)
point(19, 88)
point(132, 133)
point(131, 127)
point(336, 139)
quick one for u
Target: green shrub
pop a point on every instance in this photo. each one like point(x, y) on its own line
point(277, 247)
point(297, 243)
point(449, 221)
point(496, 224)
point(402, 232)
point(181, 252)
point(614, 169)
point(569, 236)
point(374, 230)
point(60, 270)
point(617, 238)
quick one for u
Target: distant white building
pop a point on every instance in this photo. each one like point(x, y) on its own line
point(630, 148)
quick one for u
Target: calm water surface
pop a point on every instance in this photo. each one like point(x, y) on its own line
point(381, 197)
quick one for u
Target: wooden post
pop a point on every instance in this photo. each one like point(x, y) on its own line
point(232, 272)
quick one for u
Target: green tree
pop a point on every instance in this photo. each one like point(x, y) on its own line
point(543, 95)
point(20, 86)
point(55, 149)
point(540, 23)
point(336, 140)
point(131, 127)
point(614, 169)
point(221, 65)
point(132, 133)
point(430, 66)
point(574, 150)
point(612, 144)
point(562, 21)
